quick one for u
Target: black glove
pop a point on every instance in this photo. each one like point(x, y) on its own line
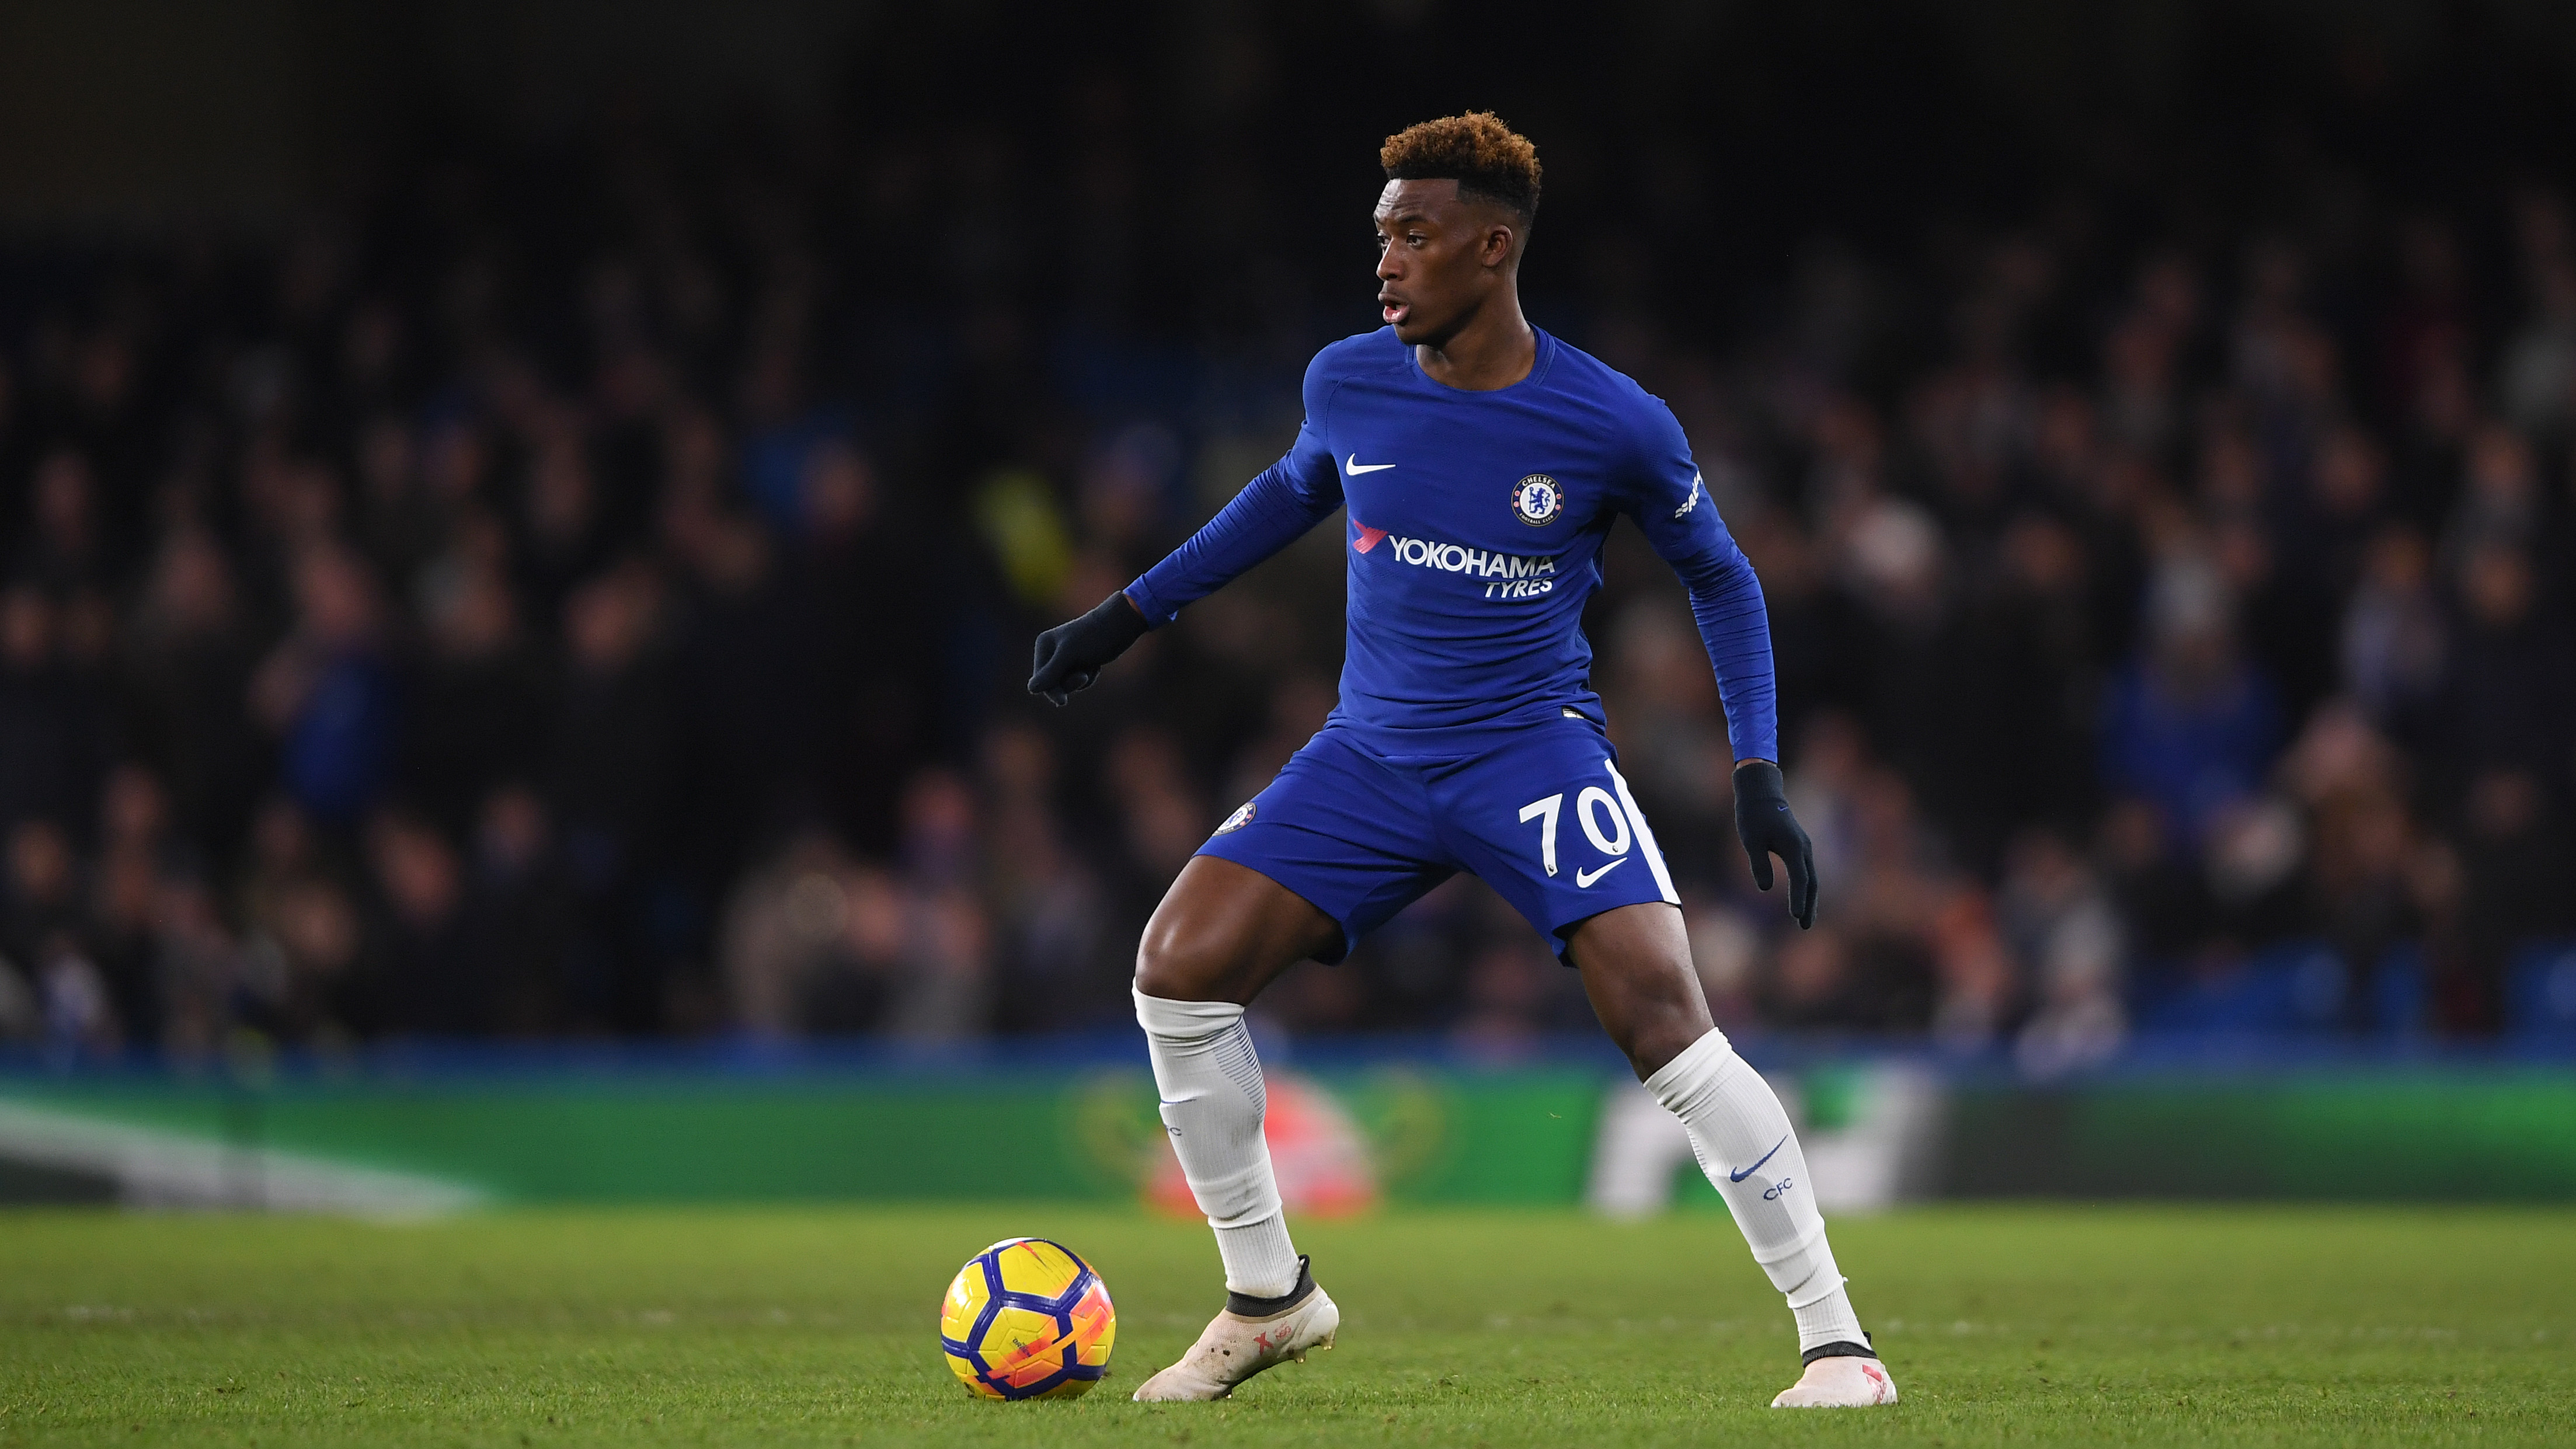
point(1072, 654)
point(1762, 818)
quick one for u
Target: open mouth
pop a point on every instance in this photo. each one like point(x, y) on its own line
point(1393, 310)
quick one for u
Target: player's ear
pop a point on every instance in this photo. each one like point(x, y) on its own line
point(1499, 240)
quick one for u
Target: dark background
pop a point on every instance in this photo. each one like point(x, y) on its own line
point(528, 519)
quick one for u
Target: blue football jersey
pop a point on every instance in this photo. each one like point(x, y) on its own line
point(1473, 539)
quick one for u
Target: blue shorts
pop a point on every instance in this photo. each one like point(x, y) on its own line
point(1543, 817)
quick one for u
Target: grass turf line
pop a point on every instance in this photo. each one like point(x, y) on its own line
point(2036, 1325)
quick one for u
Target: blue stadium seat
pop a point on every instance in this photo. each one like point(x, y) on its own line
point(2540, 992)
point(2398, 993)
point(2298, 986)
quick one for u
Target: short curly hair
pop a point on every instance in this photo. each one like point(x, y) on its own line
point(1476, 150)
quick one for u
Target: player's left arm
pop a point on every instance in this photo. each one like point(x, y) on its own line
point(1668, 498)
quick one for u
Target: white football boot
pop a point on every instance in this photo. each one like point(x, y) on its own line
point(1252, 1334)
point(1839, 1376)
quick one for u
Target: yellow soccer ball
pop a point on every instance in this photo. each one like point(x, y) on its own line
point(1026, 1319)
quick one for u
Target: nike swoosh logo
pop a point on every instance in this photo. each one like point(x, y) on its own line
point(1757, 1167)
point(1355, 467)
point(1583, 879)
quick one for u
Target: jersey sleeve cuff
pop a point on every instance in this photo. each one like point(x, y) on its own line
point(1148, 603)
point(1762, 746)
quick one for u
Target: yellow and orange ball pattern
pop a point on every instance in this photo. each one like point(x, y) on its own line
point(1026, 1319)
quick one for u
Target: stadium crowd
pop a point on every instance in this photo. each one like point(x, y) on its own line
point(588, 593)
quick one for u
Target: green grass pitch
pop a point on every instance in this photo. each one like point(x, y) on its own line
point(2027, 1325)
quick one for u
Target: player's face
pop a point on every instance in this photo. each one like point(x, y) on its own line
point(1439, 257)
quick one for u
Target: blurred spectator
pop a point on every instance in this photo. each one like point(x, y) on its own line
point(1726, 947)
point(871, 619)
point(2509, 700)
point(2394, 638)
point(944, 984)
point(434, 983)
point(42, 905)
point(125, 906)
point(1056, 965)
point(2062, 926)
point(2189, 725)
point(478, 707)
point(198, 972)
point(2517, 863)
point(50, 721)
point(18, 1013)
point(1815, 984)
point(327, 691)
point(301, 976)
point(946, 974)
point(2538, 373)
point(2164, 902)
point(187, 667)
point(2365, 860)
point(741, 652)
point(1674, 749)
point(306, 981)
point(517, 924)
point(809, 941)
point(615, 752)
point(1975, 983)
point(63, 551)
point(1165, 819)
point(79, 1013)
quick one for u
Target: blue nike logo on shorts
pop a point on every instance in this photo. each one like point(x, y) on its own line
point(1757, 1166)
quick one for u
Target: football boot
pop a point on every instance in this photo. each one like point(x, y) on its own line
point(1252, 1334)
point(1839, 1376)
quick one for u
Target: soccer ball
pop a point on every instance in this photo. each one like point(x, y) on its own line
point(1026, 1319)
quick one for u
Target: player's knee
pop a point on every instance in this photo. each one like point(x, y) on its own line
point(1653, 1037)
point(1651, 1046)
point(1171, 966)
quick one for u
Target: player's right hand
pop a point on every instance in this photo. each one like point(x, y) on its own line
point(1072, 654)
point(1763, 820)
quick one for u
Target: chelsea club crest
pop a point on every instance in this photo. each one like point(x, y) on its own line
point(1536, 500)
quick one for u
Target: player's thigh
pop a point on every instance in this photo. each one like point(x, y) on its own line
point(1343, 832)
point(1546, 820)
point(1224, 931)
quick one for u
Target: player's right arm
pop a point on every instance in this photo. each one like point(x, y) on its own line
point(1291, 496)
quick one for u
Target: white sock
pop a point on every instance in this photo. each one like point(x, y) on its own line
point(1736, 1126)
point(1210, 1082)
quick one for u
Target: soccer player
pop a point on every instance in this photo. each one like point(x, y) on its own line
point(1480, 462)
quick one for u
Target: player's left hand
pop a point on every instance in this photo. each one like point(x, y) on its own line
point(1763, 819)
point(1072, 654)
